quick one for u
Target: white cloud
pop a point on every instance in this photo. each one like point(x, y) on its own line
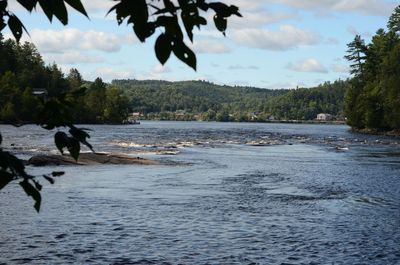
point(285, 38)
point(97, 5)
point(309, 65)
point(160, 69)
point(72, 57)
point(71, 38)
point(157, 72)
point(209, 46)
point(340, 68)
point(247, 5)
point(108, 73)
point(364, 7)
point(259, 18)
point(243, 67)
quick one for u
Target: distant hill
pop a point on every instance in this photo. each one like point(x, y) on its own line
point(207, 101)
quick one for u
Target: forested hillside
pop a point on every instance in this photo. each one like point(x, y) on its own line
point(207, 101)
point(373, 97)
point(31, 91)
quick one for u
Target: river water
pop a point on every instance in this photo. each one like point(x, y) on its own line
point(225, 193)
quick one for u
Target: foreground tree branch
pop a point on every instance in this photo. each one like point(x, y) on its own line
point(173, 19)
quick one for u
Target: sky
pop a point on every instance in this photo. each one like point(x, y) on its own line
point(276, 44)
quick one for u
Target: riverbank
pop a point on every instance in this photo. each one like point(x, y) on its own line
point(393, 133)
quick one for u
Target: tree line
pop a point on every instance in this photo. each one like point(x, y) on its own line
point(27, 85)
point(23, 73)
point(373, 95)
point(202, 100)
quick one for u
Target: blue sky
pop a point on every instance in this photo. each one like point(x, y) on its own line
point(277, 43)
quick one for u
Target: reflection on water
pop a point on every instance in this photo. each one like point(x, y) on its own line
point(245, 194)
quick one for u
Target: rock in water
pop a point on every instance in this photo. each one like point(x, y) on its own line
point(89, 159)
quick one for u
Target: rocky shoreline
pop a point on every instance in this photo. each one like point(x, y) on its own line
point(89, 159)
point(393, 133)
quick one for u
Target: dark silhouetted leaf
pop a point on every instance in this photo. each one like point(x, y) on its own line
point(5, 178)
point(4, 159)
point(189, 16)
point(169, 6)
point(163, 48)
point(235, 10)
point(49, 179)
point(189, 24)
point(16, 27)
point(60, 11)
point(220, 23)
point(171, 25)
point(77, 5)
point(80, 135)
point(184, 54)
point(33, 192)
point(143, 31)
point(201, 21)
point(16, 165)
point(1, 139)
point(221, 9)
point(57, 173)
point(47, 8)
point(28, 4)
point(3, 6)
point(2, 24)
point(202, 5)
point(37, 185)
point(74, 148)
point(61, 141)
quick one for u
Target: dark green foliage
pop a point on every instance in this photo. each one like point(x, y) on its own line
point(373, 97)
point(356, 55)
point(187, 99)
point(67, 101)
point(394, 20)
point(305, 104)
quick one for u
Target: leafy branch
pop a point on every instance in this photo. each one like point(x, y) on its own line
point(145, 16)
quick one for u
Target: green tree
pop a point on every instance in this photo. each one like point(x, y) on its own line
point(30, 105)
point(95, 100)
point(116, 106)
point(9, 97)
point(394, 20)
point(373, 99)
point(75, 79)
point(356, 54)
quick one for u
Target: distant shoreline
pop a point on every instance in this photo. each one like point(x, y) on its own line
point(267, 121)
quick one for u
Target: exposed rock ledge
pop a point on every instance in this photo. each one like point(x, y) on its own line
point(89, 159)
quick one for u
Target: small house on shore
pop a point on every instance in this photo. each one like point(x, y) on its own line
point(324, 117)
